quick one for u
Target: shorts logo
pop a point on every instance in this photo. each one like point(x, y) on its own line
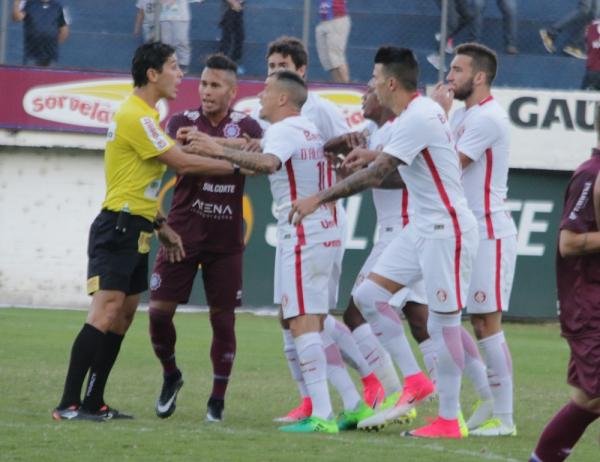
point(231, 130)
point(480, 296)
point(441, 295)
point(93, 284)
point(155, 281)
point(336, 243)
point(284, 300)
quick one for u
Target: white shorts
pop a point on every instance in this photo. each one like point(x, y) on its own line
point(414, 293)
point(331, 39)
point(493, 274)
point(444, 264)
point(302, 278)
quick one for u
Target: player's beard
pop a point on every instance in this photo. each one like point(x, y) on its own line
point(464, 92)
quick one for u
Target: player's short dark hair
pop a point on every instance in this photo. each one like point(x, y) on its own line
point(149, 56)
point(289, 46)
point(294, 85)
point(221, 62)
point(401, 64)
point(484, 59)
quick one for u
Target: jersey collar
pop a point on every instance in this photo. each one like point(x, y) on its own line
point(486, 100)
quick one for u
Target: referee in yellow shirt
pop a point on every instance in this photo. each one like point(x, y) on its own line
point(136, 156)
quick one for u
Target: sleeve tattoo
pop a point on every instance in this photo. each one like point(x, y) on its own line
point(371, 176)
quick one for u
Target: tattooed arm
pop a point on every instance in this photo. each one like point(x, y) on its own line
point(392, 181)
point(256, 162)
point(371, 176)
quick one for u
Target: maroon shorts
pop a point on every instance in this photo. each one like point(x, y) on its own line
point(584, 365)
point(221, 274)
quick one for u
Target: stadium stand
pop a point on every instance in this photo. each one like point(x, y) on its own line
point(101, 37)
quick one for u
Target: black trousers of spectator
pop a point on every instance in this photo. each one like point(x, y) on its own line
point(460, 15)
point(575, 22)
point(232, 36)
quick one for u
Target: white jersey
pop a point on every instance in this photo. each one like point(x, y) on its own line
point(482, 134)
point(323, 113)
point(298, 144)
point(391, 205)
point(148, 7)
point(422, 139)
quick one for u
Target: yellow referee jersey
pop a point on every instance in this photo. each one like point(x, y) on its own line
point(133, 175)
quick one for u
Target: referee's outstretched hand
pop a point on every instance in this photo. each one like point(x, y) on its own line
point(171, 242)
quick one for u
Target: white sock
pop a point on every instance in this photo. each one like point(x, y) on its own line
point(313, 364)
point(337, 374)
point(347, 345)
point(499, 362)
point(378, 358)
point(475, 368)
point(289, 349)
point(372, 300)
point(427, 348)
point(444, 330)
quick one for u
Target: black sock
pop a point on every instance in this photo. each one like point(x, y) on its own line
point(83, 351)
point(100, 369)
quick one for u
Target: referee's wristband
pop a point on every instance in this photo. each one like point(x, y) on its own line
point(158, 222)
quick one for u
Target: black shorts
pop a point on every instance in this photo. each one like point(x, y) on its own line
point(116, 260)
point(221, 274)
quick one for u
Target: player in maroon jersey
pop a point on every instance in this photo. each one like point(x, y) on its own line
point(207, 212)
point(578, 284)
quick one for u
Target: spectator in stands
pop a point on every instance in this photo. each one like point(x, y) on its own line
point(460, 15)
point(232, 35)
point(591, 79)
point(332, 37)
point(145, 20)
point(575, 23)
point(469, 14)
point(508, 8)
point(175, 29)
point(45, 25)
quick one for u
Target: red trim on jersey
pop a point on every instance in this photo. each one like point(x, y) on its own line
point(404, 207)
point(487, 188)
point(298, 271)
point(329, 185)
point(293, 195)
point(498, 274)
point(486, 100)
point(457, 232)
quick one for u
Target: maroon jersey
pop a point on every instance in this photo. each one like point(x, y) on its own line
point(593, 46)
point(207, 210)
point(578, 278)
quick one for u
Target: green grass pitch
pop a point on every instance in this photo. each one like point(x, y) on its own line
point(34, 349)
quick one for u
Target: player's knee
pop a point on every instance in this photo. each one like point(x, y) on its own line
point(485, 325)
point(585, 401)
point(223, 324)
point(352, 316)
point(362, 299)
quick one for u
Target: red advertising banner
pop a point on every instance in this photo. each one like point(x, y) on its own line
point(74, 101)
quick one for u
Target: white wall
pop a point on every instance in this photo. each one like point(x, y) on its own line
point(48, 199)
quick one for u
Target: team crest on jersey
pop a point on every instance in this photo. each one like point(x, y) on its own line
point(237, 116)
point(480, 296)
point(441, 295)
point(231, 130)
point(192, 115)
point(155, 281)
